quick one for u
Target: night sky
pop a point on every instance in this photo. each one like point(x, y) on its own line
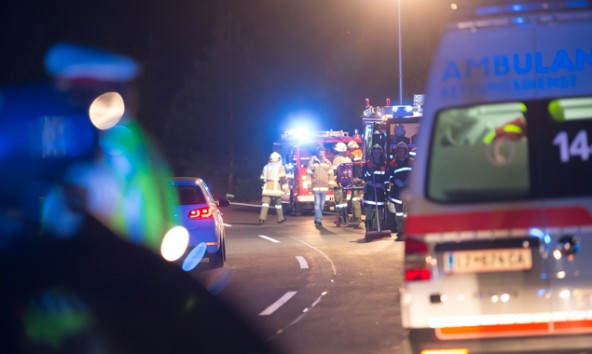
point(250, 67)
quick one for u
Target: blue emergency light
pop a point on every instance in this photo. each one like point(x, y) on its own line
point(402, 111)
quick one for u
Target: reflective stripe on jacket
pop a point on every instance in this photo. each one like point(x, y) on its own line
point(274, 179)
point(321, 174)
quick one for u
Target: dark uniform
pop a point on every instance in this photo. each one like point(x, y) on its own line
point(375, 175)
point(399, 170)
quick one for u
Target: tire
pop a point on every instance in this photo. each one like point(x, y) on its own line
point(217, 259)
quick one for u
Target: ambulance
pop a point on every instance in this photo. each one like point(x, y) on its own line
point(498, 255)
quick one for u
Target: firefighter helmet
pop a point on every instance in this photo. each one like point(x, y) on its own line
point(340, 147)
point(401, 145)
point(377, 147)
point(353, 145)
point(274, 157)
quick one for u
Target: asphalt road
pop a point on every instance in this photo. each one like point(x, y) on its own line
point(311, 290)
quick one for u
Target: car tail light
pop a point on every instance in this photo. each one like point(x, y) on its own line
point(201, 213)
point(417, 266)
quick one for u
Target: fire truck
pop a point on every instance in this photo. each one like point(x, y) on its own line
point(389, 125)
point(296, 148)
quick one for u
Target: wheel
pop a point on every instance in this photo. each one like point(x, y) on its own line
point(217, 259)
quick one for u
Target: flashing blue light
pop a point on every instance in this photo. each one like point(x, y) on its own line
point(517, 7)
point(402, 111)
point(547, 239)
point(194, 257)
point(536, 232)
point(518, 20)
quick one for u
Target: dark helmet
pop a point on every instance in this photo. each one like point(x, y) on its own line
point(377, 147)
point(377, 154)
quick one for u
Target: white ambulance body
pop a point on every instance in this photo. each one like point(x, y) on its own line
point(498, 255)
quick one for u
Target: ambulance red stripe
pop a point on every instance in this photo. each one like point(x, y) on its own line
point(498, 220)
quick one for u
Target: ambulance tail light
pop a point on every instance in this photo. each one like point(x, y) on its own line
point(417, 265)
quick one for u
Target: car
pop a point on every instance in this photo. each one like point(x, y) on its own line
point(200, 214)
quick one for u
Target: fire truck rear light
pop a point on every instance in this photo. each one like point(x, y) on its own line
point(201, 213)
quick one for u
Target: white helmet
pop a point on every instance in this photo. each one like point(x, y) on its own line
point(274, 157)
point(340, 147)
point(353, 145)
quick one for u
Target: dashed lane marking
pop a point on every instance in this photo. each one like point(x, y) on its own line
point(279, 303)
point(302, 262)
point(269, 239)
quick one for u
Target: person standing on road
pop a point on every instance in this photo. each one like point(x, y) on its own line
point(338, 193)
point(400, 168)
point(375, 175)
point(356, 193)
point(275, 185)
point(320, 171)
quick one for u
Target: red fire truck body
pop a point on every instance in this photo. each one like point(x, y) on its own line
point(296, 150)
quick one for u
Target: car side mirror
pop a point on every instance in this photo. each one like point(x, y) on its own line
point(223, 203)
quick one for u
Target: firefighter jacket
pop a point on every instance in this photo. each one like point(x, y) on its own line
point(274, 180)
point(398, 177)
point(376, 181)
point(337, 160)
point(321, 174)
point(356, 155)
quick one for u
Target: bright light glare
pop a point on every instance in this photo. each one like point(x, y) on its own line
point(106, 110)
point(174, 243)
point(194, 257)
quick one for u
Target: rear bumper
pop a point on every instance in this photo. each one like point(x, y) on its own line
point(422, 339)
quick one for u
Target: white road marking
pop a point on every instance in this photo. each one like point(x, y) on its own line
point(333, 268)
point(269, 239)
point(279, 303)
point(302, 262)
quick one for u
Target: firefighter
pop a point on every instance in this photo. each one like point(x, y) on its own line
point(400, 134)
point(355, 152)
point(275, 185)
point(320, 171)
point(338, 192)
point(375, 175)
point(400, 168)
point(356, 192)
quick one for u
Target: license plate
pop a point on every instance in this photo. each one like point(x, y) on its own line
point(498, 260)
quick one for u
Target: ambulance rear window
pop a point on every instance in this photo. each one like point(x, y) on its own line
point(480, 153)
point(489, 153)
